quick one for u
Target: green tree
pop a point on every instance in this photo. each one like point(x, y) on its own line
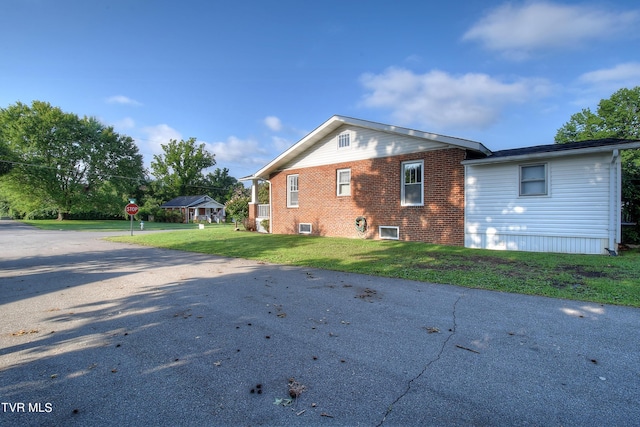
point(179, 170)
point(616, 117)
point(62, 162)
point(263, 193)
point(220, 185)
point(6, 158)
point(237, 207)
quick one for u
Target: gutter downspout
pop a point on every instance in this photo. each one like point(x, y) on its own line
point(615, 184)
point(270, 208)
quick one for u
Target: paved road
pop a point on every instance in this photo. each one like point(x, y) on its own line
point(99, 333)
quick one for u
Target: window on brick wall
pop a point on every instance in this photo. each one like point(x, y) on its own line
point(412, 191)
point(344, 182)
point(304, 228)
point(387, 232)
point(292, 191)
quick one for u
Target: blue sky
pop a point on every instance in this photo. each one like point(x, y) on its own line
point(251, 78)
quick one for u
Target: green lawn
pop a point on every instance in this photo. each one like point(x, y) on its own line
point(595, 278)
point(79, 225)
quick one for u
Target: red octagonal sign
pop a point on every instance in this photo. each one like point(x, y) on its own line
point(131, 209)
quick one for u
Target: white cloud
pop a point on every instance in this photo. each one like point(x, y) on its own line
point(234, 153)
point(273, 123)
point(155, 136)
point(415, 59)
point(438, 99)
point(516, 31)
point(281, 144)
point(236, 150)
point(622, 74)
point(121, 99)
point(593, 86)
point(126, 123)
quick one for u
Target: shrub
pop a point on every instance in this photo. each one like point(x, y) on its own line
point(248, 224)
point(631, 235)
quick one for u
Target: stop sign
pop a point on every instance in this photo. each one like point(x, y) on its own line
point(131, 209)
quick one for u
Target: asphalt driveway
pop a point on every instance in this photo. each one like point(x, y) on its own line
point(100, 333)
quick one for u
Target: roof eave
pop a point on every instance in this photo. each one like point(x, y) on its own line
point(553, 154)
point(336, 121)
point(328, 126)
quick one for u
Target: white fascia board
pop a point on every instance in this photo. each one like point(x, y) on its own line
point(448, 140)
point(336, 121)
point(319, 132)
point(553, 154)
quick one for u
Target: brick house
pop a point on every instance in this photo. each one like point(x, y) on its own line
point(355, 178)
point(396, 183)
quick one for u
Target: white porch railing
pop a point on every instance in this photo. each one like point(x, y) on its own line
point(263, 211)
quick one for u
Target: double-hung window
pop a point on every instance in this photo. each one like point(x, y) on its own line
point(292, 191)
point(533, 180)
point(344, 182)
point(412, 192)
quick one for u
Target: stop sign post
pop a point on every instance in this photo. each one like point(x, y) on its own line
point(131, 209)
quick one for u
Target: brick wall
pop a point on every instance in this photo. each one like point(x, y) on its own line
point(375, 194)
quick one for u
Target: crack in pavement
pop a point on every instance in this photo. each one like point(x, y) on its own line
point(429, 363)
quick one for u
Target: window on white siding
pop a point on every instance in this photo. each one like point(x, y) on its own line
point(344, 182)
point(304, 228)
point(533, 180)
point(389, 233)
point(292, 191)
point(344, 140)
point(412, 192)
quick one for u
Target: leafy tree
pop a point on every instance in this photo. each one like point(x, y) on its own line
point(179, 171)
point(220, 185)
point(616, 117)
point(237, 207)
point(263, 193)
point(6, 158)
point(64, 163)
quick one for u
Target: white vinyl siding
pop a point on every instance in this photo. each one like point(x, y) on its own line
point(412, 190)
point(292, 191)
point(574, 217)
point(365, 144)
point(343, 182)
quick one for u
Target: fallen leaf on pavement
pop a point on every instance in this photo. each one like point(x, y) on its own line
point(23, 332)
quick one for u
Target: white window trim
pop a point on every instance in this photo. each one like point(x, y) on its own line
point(305, 232)
point(402, 183)
point(289, 191)
point(339, 140)
point(546, 180)
point(389, 227)
point(348, 193)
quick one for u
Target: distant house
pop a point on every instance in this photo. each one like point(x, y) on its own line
point(196, 208)
point(355, 178)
